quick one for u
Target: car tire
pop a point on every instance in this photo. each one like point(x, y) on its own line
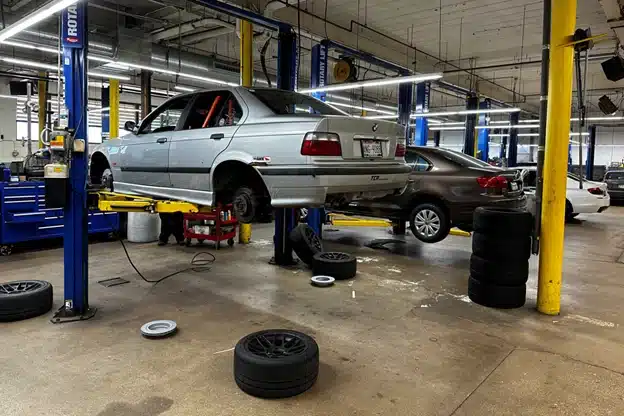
point(340, 266)
point(569, 211)
point(501, 273)
point(305, 243)
point(494, 296)
point(24, 299)
point(429, 223)
point(276, 363)
point(245, 204)
point(508, 222)
point(502, 249)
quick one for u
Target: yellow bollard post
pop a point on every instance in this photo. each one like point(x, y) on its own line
point(113, 112)
point(246, 71)
point(563, 20)
point(42, 88)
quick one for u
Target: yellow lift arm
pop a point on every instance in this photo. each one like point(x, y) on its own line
point(114, 201)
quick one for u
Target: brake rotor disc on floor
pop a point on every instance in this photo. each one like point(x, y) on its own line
point(158, 329)
point(322, 281)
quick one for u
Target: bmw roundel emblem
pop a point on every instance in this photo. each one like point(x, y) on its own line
point(375, 127)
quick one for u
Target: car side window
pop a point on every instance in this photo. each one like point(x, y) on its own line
point(166, 117)
point(417, 162)
point(213, 109)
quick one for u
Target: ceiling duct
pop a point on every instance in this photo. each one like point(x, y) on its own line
point(185, 28)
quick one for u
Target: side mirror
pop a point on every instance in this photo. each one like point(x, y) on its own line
point(129, 126)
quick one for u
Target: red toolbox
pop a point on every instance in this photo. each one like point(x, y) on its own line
point(214, 226)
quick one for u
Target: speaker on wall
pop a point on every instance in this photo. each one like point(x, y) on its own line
point(614, 68)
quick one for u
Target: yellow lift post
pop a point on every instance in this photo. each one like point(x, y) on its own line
point(114, 201)
point(563, 20)
point(341, 220)
point(246, 71)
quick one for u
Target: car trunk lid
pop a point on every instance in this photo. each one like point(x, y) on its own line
point(365, 140)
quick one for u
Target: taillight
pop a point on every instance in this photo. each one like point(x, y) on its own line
point(400, 150)
point(496, 182)
point(321, 144)
point(595, 191)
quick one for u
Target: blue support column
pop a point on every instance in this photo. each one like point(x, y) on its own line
point(287, 80)
point(421, 130)
point(75, 244)
point(105, 113)
point(405, 107)
point(483, 135)
point(512, 159)
point(591, 153)
point(318, 78)
point(472, 103)
point(436, 138)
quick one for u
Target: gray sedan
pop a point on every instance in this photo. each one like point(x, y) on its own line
point(256, 148)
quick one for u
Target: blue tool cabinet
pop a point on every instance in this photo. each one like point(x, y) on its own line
point(24, 217)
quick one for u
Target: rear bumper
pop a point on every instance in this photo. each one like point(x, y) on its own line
point(591, 205)
point(616, 194)
point(312, 186)
point(462, 213)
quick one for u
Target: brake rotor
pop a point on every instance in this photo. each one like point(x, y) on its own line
point(322, 281)
point(158, 329)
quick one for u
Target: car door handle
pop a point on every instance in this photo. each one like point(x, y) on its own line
point(217, 136)
point(161, 140)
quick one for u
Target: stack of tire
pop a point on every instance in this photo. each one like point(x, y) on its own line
point(309, 248)
point(499, 265)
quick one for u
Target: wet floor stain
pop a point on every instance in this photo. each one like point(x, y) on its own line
point(152, 406)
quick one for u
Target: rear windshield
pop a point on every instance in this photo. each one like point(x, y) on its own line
point(614, 176)
point(463, 159)
point(283, 102)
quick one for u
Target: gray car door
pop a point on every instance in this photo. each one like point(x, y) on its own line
point(212, 120)
point(144, 156)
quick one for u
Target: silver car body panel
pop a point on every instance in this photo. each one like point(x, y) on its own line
point(182, 166)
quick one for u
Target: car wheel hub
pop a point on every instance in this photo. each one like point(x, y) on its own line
point(276, 345)
point(427, 223)
point(242, 204)
point(19, 287)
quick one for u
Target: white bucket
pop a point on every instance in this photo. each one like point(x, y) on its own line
point(143, 227)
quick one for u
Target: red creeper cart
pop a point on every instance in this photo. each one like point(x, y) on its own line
point(212, 226)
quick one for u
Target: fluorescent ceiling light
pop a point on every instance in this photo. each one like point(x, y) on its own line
point(30, 46)
point(452, 123)
point(501, 122)
point(373, 83)
point(383, 117)
point(608, 118)
point(185, 89)
point(466, 112)
point(579, 134)
point(456, 128)
point(37, 16)
point(111, 76)
point(361, 108)
point(528, 121)
point(515, 126)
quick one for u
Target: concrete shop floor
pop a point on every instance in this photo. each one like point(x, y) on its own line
point(400, 339)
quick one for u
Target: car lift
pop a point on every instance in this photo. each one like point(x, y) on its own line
point(76, 266)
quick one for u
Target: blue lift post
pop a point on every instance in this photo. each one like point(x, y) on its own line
point(421, 128)
point(318, 78)
point(512, 158)
point(483, 135)
point(591, 153)
point(75, 240)
point(472, 103)
point(287, 80)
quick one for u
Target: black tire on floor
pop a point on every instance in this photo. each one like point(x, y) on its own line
point(501, 249)
point(507, 222)
point(338, 265)
point(501, 273)
point(493, 296)
point(24, 299)
point(276, 363)
point(305, 243)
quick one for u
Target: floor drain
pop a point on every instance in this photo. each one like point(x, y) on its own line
point(115, 281)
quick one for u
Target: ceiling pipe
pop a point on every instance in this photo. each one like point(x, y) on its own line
point(136, 16)
point(209, 34)
point(174, 32)
point(18, 5)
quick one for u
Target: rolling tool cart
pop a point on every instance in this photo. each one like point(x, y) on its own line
point(218, 225)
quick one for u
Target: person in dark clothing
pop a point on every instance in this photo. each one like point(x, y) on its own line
point(171, 224)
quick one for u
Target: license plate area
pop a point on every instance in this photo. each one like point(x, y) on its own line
point(621, 186)
point(371, 148)
point(514, 186)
